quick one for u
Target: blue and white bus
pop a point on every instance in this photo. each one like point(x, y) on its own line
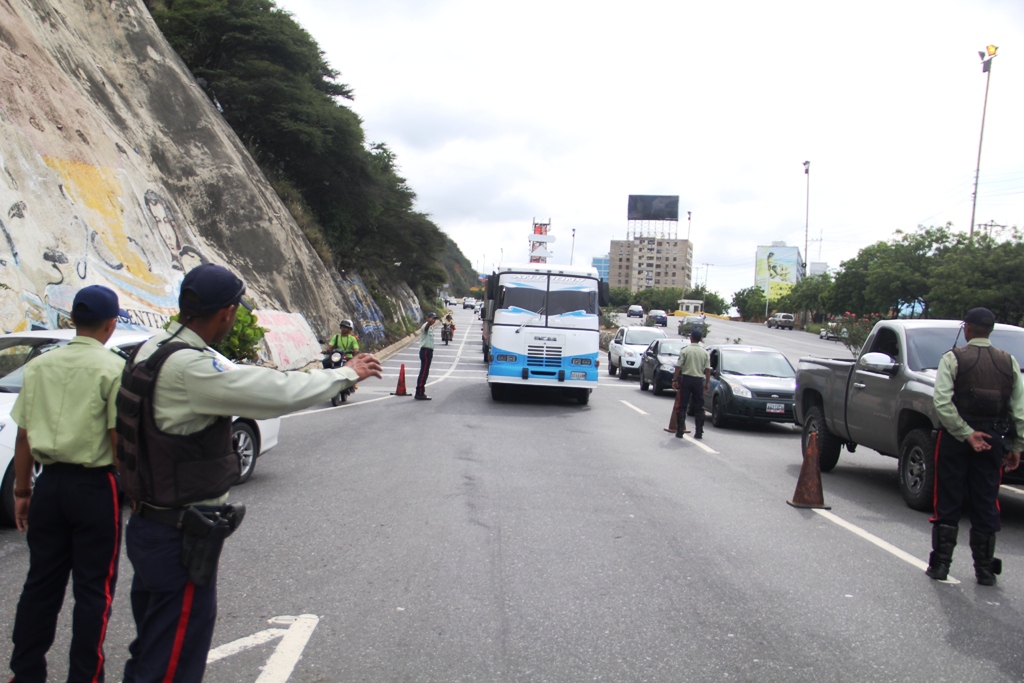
point(542, 328)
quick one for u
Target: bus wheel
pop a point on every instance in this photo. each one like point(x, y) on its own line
point(583, 396)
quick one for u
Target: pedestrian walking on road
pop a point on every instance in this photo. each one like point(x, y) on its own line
point(691, 379)
point(979, 399)
point(66, 412)
point(177, 464)
point(426, 339)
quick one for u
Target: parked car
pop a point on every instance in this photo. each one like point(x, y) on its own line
point(251, 438)
point(750, 384)
point(468, 302)
point(884, 399)
point(628, 346)
point(832, 332)
point(636, 311)
point(780, 321)
point(657, 317)
point(693, 322)
point(658, 364)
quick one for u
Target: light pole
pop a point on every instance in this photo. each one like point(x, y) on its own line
point(986, 66)
point(807, 213)
point(704, 292)
point(688, 214)
point(572, 249)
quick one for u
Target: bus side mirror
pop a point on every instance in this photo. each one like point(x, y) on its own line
point(604, 293)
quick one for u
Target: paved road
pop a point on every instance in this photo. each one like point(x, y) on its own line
point(539, 540)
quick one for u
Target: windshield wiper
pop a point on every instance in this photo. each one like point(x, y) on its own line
point(535, 315)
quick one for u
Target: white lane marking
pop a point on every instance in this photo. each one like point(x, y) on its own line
point(243, 644)
point(700, 444)
point(642, 412)
point(884, 545)
point(458, 357)
point(1014, 489)
point(281, 664)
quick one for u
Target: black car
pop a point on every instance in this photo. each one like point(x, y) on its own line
point(750, 384)
point(658, 364)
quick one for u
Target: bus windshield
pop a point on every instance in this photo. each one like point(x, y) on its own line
point(552, 296)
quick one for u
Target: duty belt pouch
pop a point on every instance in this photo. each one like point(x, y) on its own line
point(203, 540)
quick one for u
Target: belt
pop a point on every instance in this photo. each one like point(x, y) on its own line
point(73, 467)
point(167, 516)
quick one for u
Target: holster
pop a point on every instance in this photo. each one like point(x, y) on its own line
point(203, 540)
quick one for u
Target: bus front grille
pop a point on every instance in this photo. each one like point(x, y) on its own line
point(544, 356)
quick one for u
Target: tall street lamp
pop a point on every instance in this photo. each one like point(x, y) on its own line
point(807, 213)
point(986, 66)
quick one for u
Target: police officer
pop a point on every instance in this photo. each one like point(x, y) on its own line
point(979, 400)
point(691, 379)
point(177, 474)
point(65, 414)
point(426, 338)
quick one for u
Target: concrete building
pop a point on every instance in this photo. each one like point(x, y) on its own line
point(601, 263)
point(650, 262)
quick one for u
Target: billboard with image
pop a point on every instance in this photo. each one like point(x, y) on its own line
point(651, 207)
point(777, 269)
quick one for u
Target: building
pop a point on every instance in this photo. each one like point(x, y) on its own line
point(650, 262)
point(777, 268)
point(601, 263)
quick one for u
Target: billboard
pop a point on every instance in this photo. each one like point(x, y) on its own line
point(778, 267)
point(652, 207)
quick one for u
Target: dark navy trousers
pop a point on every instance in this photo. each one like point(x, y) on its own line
point(74, 529)
point(426, 356)
point(968, 481)
point(174, 618)
point(691, 389)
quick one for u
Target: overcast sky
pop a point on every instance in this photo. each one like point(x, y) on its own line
point(505, 112)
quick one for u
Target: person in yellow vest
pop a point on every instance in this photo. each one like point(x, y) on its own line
point(66, 412)
point(345, 341)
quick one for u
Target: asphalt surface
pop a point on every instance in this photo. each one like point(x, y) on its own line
point(538, 540)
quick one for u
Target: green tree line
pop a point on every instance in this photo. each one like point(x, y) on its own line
point(273, 85)
point(931, 272)
point(668, 299)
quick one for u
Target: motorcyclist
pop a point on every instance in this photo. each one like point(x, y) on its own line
point(449, 331)
point(345, 342)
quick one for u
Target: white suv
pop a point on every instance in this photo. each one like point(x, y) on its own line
point(627, 348)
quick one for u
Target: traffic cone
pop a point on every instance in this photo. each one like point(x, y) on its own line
point(400, 390)
point(808, 486)
point(673, 422)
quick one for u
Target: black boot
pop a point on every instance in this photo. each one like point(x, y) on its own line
point(983, 547)
point(943, 542)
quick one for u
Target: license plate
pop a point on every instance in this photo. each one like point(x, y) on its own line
point(578, 375)
point(776, 407)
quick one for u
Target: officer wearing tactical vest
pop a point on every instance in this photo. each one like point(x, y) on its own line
point(177, 463)
point(979, 399)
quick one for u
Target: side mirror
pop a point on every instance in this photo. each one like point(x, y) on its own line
point(881, 363)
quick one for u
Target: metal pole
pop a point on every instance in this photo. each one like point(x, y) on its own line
point(688, 227)
point(572, 250)
point(807, 214)
point(977, 168)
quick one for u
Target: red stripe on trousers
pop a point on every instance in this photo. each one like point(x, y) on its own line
point(935, 486)
point(108, 593)
point(179, 637)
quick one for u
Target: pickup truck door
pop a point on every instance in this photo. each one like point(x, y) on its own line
point(872, 397)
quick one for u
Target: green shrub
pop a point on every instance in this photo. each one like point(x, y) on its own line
point(242, 343)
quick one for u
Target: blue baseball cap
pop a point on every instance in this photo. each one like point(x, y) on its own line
point(982, 317)
point(696, 335)
point(96, 302)
point(208, 288)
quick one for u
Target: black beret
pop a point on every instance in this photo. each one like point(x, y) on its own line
point(208, 288)
point(982, 317)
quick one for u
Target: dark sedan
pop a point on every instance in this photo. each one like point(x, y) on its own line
point(750, 384)
point(658, 364)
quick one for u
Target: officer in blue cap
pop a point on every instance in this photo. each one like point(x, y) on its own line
point(177, 463)
point(65, 414)
point(979, 400)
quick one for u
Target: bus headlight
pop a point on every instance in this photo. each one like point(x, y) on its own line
point(503, 358)
point(582, 361)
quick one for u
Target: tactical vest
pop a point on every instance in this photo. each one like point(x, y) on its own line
point(983, 384)
point(168, 470)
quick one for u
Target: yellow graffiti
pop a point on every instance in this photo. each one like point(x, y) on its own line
point(99, 190)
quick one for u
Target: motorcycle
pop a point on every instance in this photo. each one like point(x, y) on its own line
point(446, 333)
point(336, 359)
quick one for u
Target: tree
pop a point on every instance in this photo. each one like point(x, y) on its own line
point(620, 296)
point(750, 302)
point(713, 301)
point(810, 294)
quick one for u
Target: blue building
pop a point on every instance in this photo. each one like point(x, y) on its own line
point(603, 264)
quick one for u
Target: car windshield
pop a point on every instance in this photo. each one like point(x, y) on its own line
point(926, 346)
point(671, 348)
point(756, 364)
point(643, 337)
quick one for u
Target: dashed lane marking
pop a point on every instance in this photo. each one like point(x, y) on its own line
point(884, 545)
point(1012, 489)
point(700, 444)
point(630, 405)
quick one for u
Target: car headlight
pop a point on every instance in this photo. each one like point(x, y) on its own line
point(668, 368)
point(740, 390)
point(629, 354)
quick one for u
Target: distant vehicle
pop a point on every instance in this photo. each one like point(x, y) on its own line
point(750, 384)
point(468, 302)
point(251, 438)
point(627, 348)
point(780, 321)
point(658, 317)
point(635, 311)
point(832, 332)
point(658, 364)
point(691, 323)
point(883, 400)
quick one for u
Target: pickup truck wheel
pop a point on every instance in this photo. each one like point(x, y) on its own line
point(611, 366)
point(917, 469)
point(829, 446)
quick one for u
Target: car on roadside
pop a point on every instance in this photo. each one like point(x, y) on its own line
point(468, 302)
point(635, 311)
point(832, 332)
point(780, 321)
point(657, 317)
point(658, 364)
point(627, 347)
point(750, 384)
point(693, 322)
point(251, 438)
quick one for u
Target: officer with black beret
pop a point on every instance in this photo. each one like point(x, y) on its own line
point(979, 399)
point(176, 461)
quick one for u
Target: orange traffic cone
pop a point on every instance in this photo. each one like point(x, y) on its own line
point(673, 421)
point(400, 390)
point(808, 486)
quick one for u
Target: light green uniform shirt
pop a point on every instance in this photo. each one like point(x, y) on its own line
point(693, 361)
point(195, 387)
point(947, 412)
point(67, 403)
point(427, 336)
